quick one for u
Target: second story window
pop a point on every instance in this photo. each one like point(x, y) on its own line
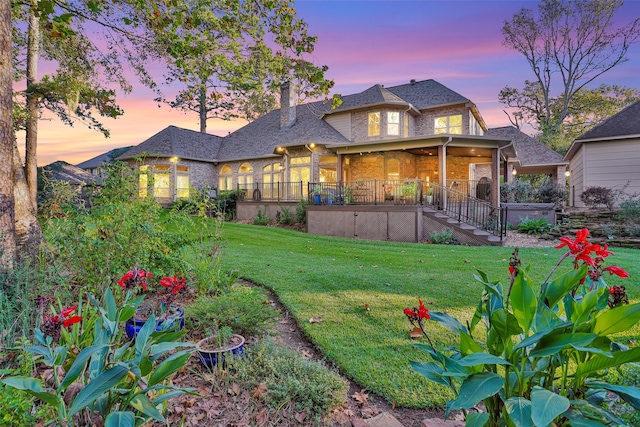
point(406, 125)
point(448, 124)
point(374, 124)
point(393, 123)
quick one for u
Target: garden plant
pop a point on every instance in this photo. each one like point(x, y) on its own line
point(540, 357)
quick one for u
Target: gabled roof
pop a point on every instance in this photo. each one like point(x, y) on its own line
point(261, 137)
point(174, 141)
point(63, 171)
point(427, 94)
point(529, 151)
point(624, 124)
point(375, 95)
point(103, 158)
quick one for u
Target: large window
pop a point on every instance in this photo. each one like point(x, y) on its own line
point(393, 123)
point(448, 124)
point(225, 178)
point(300, 171)
point(182, 182)
point(328, 168)
point(245, 176)
point(270, 180)
point(162, 181)
point(143, 181)
point(374, 124)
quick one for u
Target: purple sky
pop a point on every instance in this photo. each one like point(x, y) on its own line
point(457, 43)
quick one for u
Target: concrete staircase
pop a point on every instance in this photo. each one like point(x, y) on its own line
point(437, 220)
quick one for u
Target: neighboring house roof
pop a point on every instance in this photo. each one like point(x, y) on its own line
point(261, 137)
point(177, 142)
point(63, 171)
point(624, 124)
point(103, 158)
point(529, 151)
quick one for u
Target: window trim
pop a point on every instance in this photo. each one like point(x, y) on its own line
point(372, 124)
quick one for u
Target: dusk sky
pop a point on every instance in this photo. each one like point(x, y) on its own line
point(457, 43)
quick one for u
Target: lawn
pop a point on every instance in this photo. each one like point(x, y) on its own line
point(359, 289)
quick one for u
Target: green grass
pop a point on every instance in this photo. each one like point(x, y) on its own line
point(334, 278)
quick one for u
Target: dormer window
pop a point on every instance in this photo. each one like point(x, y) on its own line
point(374, 124)
point(448, 124)
point(393, 123)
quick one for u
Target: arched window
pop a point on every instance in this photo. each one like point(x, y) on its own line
point(225, 178)
point(245, 176)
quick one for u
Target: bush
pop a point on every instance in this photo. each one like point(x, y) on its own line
point(443, 238)
point(301, 211)
point(16, 408)
point(534, 226)
point(261, 217)
point(630, 211)
point(594, 197)
point(285, 217)
point(60, 199)
point(241, 308)
point(226, 203)
point(289, 378)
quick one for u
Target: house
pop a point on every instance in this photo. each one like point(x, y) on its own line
point(386, 149)
point(95, 165)
point(607, 156)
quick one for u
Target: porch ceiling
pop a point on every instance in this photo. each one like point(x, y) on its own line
point(453, 151)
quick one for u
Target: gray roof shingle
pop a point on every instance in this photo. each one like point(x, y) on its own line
point(626, 122)
point(103, 158)
point(529, 150)
point(182, 143)
point(427, 94)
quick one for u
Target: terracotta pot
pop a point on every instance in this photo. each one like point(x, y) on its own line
point(210, 356)
point(173, 323)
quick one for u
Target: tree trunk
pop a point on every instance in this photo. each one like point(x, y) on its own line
point(203, 108)
point(7, 223)
point(28, 231)
point(31, 157)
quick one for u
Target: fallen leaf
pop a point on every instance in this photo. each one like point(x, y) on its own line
point(306, 353)
point(262, 417)
point(388, 284)
point(375, 266)
point(466, 261)
point(415, 333)
point(349, 413)
point(260, 391)
point(361, 397)
point(393, 405)
point(301, 416)
point(315, 320)
point(366, 307)
point(368, 412)
point(421, 261)
point(234, 389)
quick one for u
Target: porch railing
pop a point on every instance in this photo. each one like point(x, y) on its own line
point(273, 191)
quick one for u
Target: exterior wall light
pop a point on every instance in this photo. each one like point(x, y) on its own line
point(567, 173)
point(514, 172)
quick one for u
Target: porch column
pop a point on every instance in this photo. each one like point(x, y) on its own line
point(561, 178)
point(442, 167)
point(495, 177)
point(339, 168)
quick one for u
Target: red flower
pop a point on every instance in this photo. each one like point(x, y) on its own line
point(410, 312)
point(617, 271)
point(71, 320)
point(512, 269)
point(68, 311)
point(423, 313)
point(576, 245)
point(137, 276)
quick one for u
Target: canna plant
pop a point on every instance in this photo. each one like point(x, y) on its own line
point(109, 381)
point(544, 347)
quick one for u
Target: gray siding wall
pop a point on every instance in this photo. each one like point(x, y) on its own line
point(613, 164)
point(576, 181)
point(341, 123)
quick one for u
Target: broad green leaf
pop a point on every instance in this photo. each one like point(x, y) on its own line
point(519, 410)
point(583, 307)
point(166, 396)
point(120, 419)
point(631, 395)
point(78, 365)
point(39, 349)
point(431, 371)
point(477, 419)
point(482, 359)
point(594, 410)
point(598, 363)
point(616, 320)
point(583, 422)
point(523, 301)
point(160, 349)
point(103, 382)
point(142, 403)
point(468, 345)
point(558, 287)
point(505, 324)
point(593, 350)
point(552, 344)
point(546, 319)
point(110, 303)
point(448, 322)
point(533, 339)
point(546, 406)
point(169, 366)
point(476, 388)
point(145, 332)
point(33, 387)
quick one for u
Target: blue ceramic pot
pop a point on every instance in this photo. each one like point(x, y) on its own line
point(173, 323)
point(211, 357)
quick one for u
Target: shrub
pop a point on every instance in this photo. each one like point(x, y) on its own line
point(540, 356)
point(301, 211)
point(291, 379)
point(285, 217)
point(16, 408)
point(630, 210)
point(241, 308)
point(443, 238)
point(261, 217)
point(226, 203)
point(516, 192)
point(534, 226)
point(594, 197)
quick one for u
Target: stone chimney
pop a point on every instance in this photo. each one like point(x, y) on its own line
point(287, 105)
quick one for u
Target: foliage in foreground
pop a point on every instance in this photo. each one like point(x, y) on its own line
point(545, 349)
point(290, 378)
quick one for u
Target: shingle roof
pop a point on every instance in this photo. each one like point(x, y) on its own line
point(626, 122)
point(427, 94)
point(175, 141)
point(261, 137)
point(373, 96)
point(63, 171)
point(529, 150)
point(103, 158)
